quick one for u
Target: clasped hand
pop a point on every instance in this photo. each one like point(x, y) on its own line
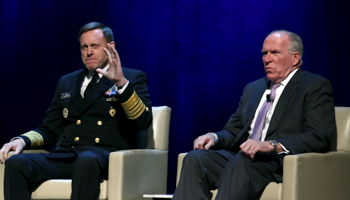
point(251, 147)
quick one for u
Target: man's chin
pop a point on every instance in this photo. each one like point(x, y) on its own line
point(91, 67)
point(271, 77)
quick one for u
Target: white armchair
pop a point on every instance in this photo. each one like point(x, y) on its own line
point(132, 173)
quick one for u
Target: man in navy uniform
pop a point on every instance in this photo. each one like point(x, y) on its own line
point(94, 111)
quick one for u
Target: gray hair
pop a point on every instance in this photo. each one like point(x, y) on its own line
point(296, 44)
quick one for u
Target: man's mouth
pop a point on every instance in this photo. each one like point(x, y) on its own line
point(90, 60)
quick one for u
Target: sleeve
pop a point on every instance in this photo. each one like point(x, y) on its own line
point(47, 134)
point(228, 135)
point(136, 103)
point(318, 121)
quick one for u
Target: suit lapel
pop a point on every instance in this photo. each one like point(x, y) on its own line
point(283, 101)
point(102, 86)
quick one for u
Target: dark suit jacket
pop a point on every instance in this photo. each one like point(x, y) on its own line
point(102, 123)
point(303, 120)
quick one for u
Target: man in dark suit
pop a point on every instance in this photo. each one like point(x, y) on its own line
point(94, 111)
point(244, 157)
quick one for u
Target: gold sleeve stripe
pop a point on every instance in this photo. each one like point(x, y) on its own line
point(133, 107)
point(35, 138)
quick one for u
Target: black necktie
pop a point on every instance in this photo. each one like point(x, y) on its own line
point(88, 90)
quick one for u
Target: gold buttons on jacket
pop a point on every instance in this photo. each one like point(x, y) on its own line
point(76, 139)
point(78, 121)
point(97, 140)
point(99, 123)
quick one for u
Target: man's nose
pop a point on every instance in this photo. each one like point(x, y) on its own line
point(90, 51)
point(267, 57)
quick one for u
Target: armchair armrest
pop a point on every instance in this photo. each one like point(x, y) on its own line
point(310, 175)
point(133, 173)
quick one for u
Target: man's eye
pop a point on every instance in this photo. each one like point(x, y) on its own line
point(84, 48)
point(95, 46)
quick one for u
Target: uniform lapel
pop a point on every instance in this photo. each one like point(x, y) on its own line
point(76, 85)
point(102, 86)
point(283, 101)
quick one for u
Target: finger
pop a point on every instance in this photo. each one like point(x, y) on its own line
point(18, 150)
point(101, 71)
point(110, 50)
point(4, 152)
point(208, 145)
point(200, 143)
point(115, 55)
point(195, 144)
point(108, 53)
point(252, 155)
point(115, 52)
point(1, 156)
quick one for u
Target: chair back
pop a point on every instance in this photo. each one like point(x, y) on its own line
point(341, 142)
point(158, 132)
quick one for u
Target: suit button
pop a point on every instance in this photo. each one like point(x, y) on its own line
point(78, 122)
point(76, 139)
point(97, 140)
point(99, 123)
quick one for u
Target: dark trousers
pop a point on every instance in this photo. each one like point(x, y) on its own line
point(25, 172)
point(236, 176)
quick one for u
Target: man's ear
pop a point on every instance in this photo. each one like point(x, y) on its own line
point(296, 58)
point(112, 44)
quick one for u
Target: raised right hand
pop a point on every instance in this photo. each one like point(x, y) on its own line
point(16, 145)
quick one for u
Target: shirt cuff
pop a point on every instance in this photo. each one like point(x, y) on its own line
point(285, 150)
point(120, 91)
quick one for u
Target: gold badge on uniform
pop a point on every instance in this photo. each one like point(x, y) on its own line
point(112, 112)
point(65, 112)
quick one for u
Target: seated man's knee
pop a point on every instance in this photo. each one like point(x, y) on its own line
point(87, 158)
point(16, 161)
point(195, 156)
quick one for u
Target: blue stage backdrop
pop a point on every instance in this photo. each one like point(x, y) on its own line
point(198, 54)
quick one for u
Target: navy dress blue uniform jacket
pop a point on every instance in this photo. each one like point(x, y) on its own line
point(102, 123)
